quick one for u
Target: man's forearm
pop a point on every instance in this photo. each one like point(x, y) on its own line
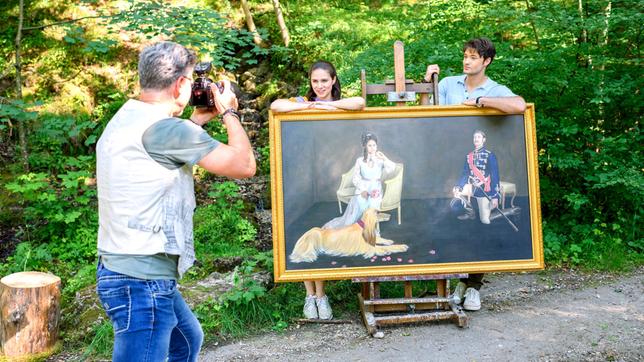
point(285, 105)
point(505, 104)
point(238, 140)
point(353, 103)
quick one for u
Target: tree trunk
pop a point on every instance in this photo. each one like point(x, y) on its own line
point(22, 138)
point(250, 23)
point(529, 10)
point(584, 32)
point(29, 314)
point(602, 67)
point(280, 21)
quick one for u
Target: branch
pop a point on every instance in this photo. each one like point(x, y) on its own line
point(69, 21)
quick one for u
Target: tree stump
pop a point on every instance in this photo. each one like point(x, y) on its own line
point(29, 314)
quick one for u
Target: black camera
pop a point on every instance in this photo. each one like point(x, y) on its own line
point(202, 95)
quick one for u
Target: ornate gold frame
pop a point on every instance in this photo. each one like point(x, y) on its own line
point(279, 252)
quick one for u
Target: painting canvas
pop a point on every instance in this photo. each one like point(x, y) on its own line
point(394, 191)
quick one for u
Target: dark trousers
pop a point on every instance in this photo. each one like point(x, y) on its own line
point(474, 281)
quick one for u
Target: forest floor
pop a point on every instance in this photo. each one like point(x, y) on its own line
point(555, 315)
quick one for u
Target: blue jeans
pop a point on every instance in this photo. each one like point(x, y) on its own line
point(151, 320)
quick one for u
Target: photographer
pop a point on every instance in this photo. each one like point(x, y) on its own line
point(146, 202)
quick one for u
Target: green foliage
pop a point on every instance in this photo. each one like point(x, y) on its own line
point(200, 28)
point(101, 341)
point(76, 37)
point(57, 208)
point(26, 258)
point(245, 288)
point(248, 307)
point(85, 276)
point(265, 160)
point(15, 111)
point(220, 230)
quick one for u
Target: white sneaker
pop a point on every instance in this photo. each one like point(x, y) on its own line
point(459, 293)
point(310, 309)
point(324, 309)
point(472, 299)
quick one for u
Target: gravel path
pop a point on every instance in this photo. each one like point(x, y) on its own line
point(549, 316)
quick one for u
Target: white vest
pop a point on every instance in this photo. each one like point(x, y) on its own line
point(143, 207)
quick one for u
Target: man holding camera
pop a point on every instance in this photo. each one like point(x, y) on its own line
point(474, 88)
point(146, 202)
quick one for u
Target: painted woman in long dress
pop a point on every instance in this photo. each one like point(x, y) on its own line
point(367, 179)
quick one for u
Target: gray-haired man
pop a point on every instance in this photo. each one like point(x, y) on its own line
point(146, 202)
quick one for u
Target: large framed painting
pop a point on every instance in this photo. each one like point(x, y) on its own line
point(401, 191)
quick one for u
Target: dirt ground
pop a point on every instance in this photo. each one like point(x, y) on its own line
point(558, 315)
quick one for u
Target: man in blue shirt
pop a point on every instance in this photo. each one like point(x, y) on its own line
point(474, 88)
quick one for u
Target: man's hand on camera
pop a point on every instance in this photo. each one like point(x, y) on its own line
point(201, 115)
point(226, 99)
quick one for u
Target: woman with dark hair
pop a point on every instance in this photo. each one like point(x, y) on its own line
point(324, 93)
point(367, 179)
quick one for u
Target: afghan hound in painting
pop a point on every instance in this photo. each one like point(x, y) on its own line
point(357, 239)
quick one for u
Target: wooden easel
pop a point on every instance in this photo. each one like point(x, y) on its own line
point(401, 90)
point(376, 311)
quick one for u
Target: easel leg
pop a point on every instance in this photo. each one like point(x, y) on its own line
point(408, 289)
point(459, 315)
point(367, 312)
point(441, 288)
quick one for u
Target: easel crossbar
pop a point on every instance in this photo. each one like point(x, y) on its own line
point(402, 278)
point(406, 301)
point(386, 88)
point(416, 317)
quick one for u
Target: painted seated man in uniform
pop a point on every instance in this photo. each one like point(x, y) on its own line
point(474, 88)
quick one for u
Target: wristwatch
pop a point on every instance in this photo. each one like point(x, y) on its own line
point(232, 112)
point(478, 102)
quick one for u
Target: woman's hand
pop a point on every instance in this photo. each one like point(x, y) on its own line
point(381, 156)
point(324, 106)
point(364, 194)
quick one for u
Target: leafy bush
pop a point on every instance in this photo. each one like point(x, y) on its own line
point(198, 27)
point(248, 306)
point(220, 230)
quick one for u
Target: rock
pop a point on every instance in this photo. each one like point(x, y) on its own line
point(216, 284)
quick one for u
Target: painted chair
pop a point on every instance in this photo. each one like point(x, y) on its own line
point(391, 197)
point(507, 188)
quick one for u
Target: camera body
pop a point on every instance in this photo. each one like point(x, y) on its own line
point(202, 95)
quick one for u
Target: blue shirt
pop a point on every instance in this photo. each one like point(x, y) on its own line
point(452, 90)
